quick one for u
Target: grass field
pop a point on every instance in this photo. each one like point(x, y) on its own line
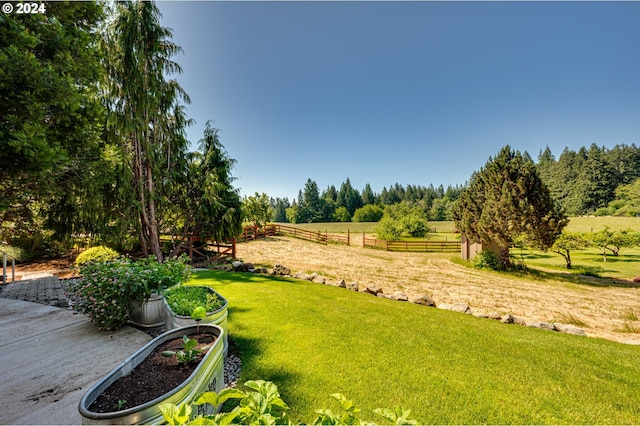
point(589, 261)
point(314, 340)
point(576, 224)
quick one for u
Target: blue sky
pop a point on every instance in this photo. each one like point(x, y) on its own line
point(410, 92)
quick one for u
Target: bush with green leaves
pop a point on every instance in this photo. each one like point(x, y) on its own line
point(98, 253)
point(264, 406)
point(487, 259)
point(401, 219)
point(13, 253)
point(368, 213)
point(107, 287)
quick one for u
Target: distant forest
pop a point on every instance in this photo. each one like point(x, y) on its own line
point(591, 181)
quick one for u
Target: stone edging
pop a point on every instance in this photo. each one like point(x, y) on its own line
point(423, 300)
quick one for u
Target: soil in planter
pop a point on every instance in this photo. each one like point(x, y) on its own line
point(152, 378)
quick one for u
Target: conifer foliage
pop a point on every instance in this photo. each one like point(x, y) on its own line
point(505, 200)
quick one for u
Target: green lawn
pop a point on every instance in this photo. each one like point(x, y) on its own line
point(313, 340)
point(589, 261)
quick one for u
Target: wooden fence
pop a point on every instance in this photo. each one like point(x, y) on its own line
point(253, 232)
point(413, 246)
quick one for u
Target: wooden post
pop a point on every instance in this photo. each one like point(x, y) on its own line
point(233, 248)
point(349, 237)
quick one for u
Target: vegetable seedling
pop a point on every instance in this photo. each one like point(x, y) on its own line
point(198, 314)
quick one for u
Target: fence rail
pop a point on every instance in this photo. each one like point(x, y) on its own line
point(253, 232)
point(413, 246)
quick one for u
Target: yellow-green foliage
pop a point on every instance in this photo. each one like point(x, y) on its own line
point(96, 253)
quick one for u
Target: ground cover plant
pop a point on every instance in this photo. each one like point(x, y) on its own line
point(314, 340)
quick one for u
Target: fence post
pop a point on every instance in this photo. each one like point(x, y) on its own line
point(363, 239)
point(386, 245)
point(349, 238)
point(233, 248)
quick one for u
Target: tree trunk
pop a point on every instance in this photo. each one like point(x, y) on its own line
point(505, 260)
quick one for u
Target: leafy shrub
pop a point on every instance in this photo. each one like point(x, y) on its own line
point(264, 406)
point(20, 255)
point(107, 287)
point(341, 215)
point(487, 259)
point(400, 219)
point(98, 253)
point(104, 292)
point(368, 213)
point(184, 299)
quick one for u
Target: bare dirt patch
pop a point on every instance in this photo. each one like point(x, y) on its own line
point(605, 311)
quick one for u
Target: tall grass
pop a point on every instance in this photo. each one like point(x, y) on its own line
point(314, 340)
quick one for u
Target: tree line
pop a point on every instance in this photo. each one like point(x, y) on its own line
point(348, 204)
point(93, 130)
point(594, 180)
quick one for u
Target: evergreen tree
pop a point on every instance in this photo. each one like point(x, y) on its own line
point(145, 111)
point(349, 198)
point(505, 200)
point(51, 118)
point(280, 206)
point(368, 196)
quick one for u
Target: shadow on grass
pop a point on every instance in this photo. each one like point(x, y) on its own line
point(583, 275)
point(225, 278)
point(250, 351)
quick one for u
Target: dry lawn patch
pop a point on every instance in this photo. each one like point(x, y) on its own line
point(602, 311)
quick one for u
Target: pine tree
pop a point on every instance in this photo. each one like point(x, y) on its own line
point(505, 200)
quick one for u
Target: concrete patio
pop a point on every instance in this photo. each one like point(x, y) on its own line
point(50, 356)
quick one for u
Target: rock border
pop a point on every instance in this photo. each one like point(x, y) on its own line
point(422, 299)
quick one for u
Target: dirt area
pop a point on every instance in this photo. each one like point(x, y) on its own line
point(608, 311)
point(62, 268)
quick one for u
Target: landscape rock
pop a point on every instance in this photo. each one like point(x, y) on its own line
point(424, 300)
point(494, 315)
point(342, 284)
point(352, 286)
point(400, 296)
point(372, 289)
point(279, 269)
point(542, 325)
point(510, 319)
point(570, 329)
point(461, 307)
point(236, 265)
point(507, 319)
point(384, 296)
point(319, 279)
point(312, 276)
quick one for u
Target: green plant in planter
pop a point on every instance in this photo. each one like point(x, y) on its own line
point(189, 351)
point(184, 299)
point(198, 315)
point(107, 287)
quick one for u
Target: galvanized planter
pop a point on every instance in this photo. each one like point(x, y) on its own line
point(148, 314)
point(209, 375)
point(218, 317)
